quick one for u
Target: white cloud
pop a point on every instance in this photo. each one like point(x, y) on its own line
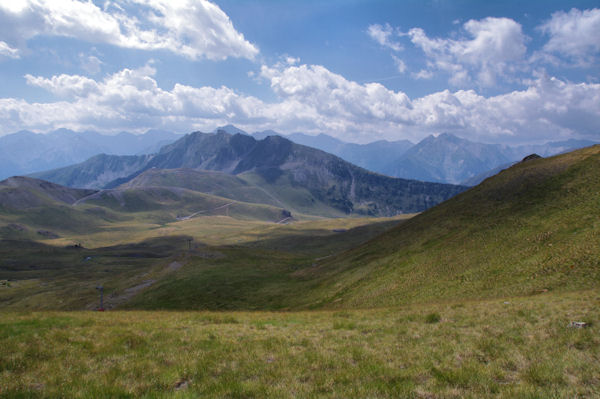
point(400, 65)
point(423, 74)
point(7, 51)
point(575, 35)
point(493, 49)
point(65, 85)
point(382, 34)
point(90, 63)
point(311, 99)
point(549, 108)
point(129, 99)
point(191, 28)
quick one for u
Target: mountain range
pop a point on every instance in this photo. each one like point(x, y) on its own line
point(26, 152)
point(299, 178)
point(443, 158)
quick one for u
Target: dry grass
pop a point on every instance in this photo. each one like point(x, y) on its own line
point(518, 347)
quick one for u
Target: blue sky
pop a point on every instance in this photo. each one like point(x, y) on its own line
point(359, 70)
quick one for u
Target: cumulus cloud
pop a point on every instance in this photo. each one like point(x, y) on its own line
point(383, 35)
point(65, 85)
point(311, 99)
point(549, 108)
point(574, 35)
point(493, 49)
point(128, 99)
point(191, 28)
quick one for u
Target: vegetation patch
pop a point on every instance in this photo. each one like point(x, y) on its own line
point(480, 350)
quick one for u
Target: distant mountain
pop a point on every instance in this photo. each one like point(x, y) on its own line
point(447, 158)
point(444, 158)
point(475, 180)
point(372, 156)
point(96, 172)
point(450, 159)
point(25, 152)
point(235, 130)
point(301, 178)
point(547, 149)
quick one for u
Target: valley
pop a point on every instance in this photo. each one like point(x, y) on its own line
point(470, 298)
point(299, 199)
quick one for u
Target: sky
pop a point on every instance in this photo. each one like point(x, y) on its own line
point(510, 72)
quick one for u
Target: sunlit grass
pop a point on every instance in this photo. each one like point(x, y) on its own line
point(515, 347)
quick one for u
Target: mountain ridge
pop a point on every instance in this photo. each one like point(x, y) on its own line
point(442, 158)
point(321, 177)
point(25, 152)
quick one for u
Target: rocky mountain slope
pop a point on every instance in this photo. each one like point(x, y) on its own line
point(303, 178)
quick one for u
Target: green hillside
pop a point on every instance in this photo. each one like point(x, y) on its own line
point(531, 229)
point(204, 181)
point(168, 204)
point(475, 298)
point(36, 210)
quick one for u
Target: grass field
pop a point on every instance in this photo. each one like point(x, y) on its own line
point(510, 348)
point(473, 298)
point(232, 258)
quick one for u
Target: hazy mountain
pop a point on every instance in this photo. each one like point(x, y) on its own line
point(450, 159)
point(303, 178)
point(475, 180)
point(372, 156)
point(25, 152)
point(548, 149)
point(235, 130)
point(97, 171)
point(447, 158)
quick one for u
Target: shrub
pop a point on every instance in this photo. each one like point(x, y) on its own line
point(432, 318)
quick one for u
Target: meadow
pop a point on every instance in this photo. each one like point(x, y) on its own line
point(474, 298)
point(514, 347)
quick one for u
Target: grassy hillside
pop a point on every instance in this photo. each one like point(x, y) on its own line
point(471, 299)
point(167, 204)
point(529, 230)
point(532, 228)
point(174, 257)
point(204, 181)
point(32, 209)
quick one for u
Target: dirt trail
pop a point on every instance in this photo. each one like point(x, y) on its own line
point(205, 211)
point(114, 300)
